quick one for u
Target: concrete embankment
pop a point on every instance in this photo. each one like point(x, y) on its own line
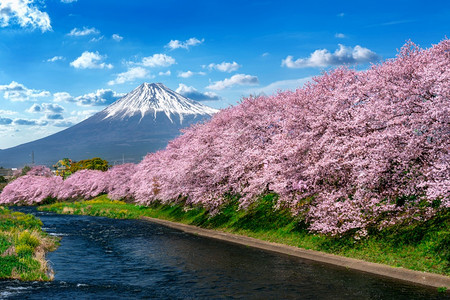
point(417, 277)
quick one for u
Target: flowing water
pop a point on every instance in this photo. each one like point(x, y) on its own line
point(102, 258)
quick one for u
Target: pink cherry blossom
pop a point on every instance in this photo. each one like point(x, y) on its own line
point(30, 189)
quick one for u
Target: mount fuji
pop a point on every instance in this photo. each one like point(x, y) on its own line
point(142, 121)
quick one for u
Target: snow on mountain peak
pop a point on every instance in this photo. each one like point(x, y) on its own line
point(150, 98)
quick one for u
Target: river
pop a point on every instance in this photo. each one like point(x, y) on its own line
point(102, 258)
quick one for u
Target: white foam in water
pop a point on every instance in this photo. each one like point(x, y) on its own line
point(5, 294)
point(12, 290)
point(57, 234)
point(18, 288)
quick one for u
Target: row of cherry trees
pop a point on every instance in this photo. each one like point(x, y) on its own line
point(39, 184)
point(350, 150)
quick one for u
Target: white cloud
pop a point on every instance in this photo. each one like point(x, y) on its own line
point(188, 74)
point(265, 54)
point(324, 58)
point(238, 79)
point(83, 32)
point(84, 114)
point(76, 117)
point(96, 39)
point(167, 73)
point(35, 108)
point(192, 93)
point(158, 60)
point(55, 58)
point(27, 122)
point(130, 75)
point(68, 1)
point(24, 13)
point(51, 107)
point(46, 108)
point(18, 92)
point(7, 112)
point(282, 85)
point(62, 97)
point(5, 121)
point(117, 37)
point(63, 123)
point(54, 116)
point(341, 14)
point(90, 60)
point(175, 44)
point(225, 67)
point(340, 36)
point(99, 97)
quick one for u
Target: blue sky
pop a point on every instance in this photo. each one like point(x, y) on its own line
point(63, 60)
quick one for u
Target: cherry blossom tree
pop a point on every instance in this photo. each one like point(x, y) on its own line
point(118, 180)
point(30, 190)
point(83, 184)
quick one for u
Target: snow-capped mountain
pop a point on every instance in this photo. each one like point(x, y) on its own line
point(149, 99)
point(142, 121)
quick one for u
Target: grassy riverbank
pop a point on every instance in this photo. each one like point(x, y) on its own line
point(421, 247)
point(23, 245)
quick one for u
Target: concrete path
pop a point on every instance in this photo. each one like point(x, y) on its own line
point(417, 277)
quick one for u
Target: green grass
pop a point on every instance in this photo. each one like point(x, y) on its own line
point(422, 247)
point(23, 245)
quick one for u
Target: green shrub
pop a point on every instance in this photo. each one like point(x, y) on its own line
point(25, 238)
point(23, 250)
